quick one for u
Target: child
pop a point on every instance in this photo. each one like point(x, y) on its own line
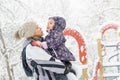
point(55, 41)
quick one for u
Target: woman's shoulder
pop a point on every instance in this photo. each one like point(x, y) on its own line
point(26, 42)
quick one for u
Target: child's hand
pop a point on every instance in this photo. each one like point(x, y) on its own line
point(36, 43)
point(44, 45)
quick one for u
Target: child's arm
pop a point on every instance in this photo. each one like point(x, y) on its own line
point(39, 44)
point(54, 41)
point(44, 45)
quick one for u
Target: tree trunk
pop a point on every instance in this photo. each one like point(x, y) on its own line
point(3, 51)
point(8, 68)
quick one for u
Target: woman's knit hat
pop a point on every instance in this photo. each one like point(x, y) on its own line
point(26, 31)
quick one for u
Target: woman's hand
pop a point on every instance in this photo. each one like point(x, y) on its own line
point(36, 43)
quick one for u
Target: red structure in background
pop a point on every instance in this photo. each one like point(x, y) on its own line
point(103, 30)
point(81, 47)
point(107, 27)
point(81, 44)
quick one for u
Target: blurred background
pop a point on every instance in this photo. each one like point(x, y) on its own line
point(85, 16)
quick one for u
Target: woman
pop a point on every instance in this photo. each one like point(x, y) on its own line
point(40, 67)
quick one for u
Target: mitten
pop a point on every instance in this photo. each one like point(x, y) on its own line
point(68, 66)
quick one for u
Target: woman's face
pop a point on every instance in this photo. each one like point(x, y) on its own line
point(50, 24)
point(38, 32)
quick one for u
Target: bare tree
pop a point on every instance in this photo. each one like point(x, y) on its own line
point(3, 51)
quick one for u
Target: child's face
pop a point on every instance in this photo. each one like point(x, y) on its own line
point(38, 32)
point(50, 24)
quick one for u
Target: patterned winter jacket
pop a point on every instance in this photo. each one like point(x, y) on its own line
point(56, 41)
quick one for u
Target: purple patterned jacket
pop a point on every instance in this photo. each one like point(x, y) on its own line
point(56, 41)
